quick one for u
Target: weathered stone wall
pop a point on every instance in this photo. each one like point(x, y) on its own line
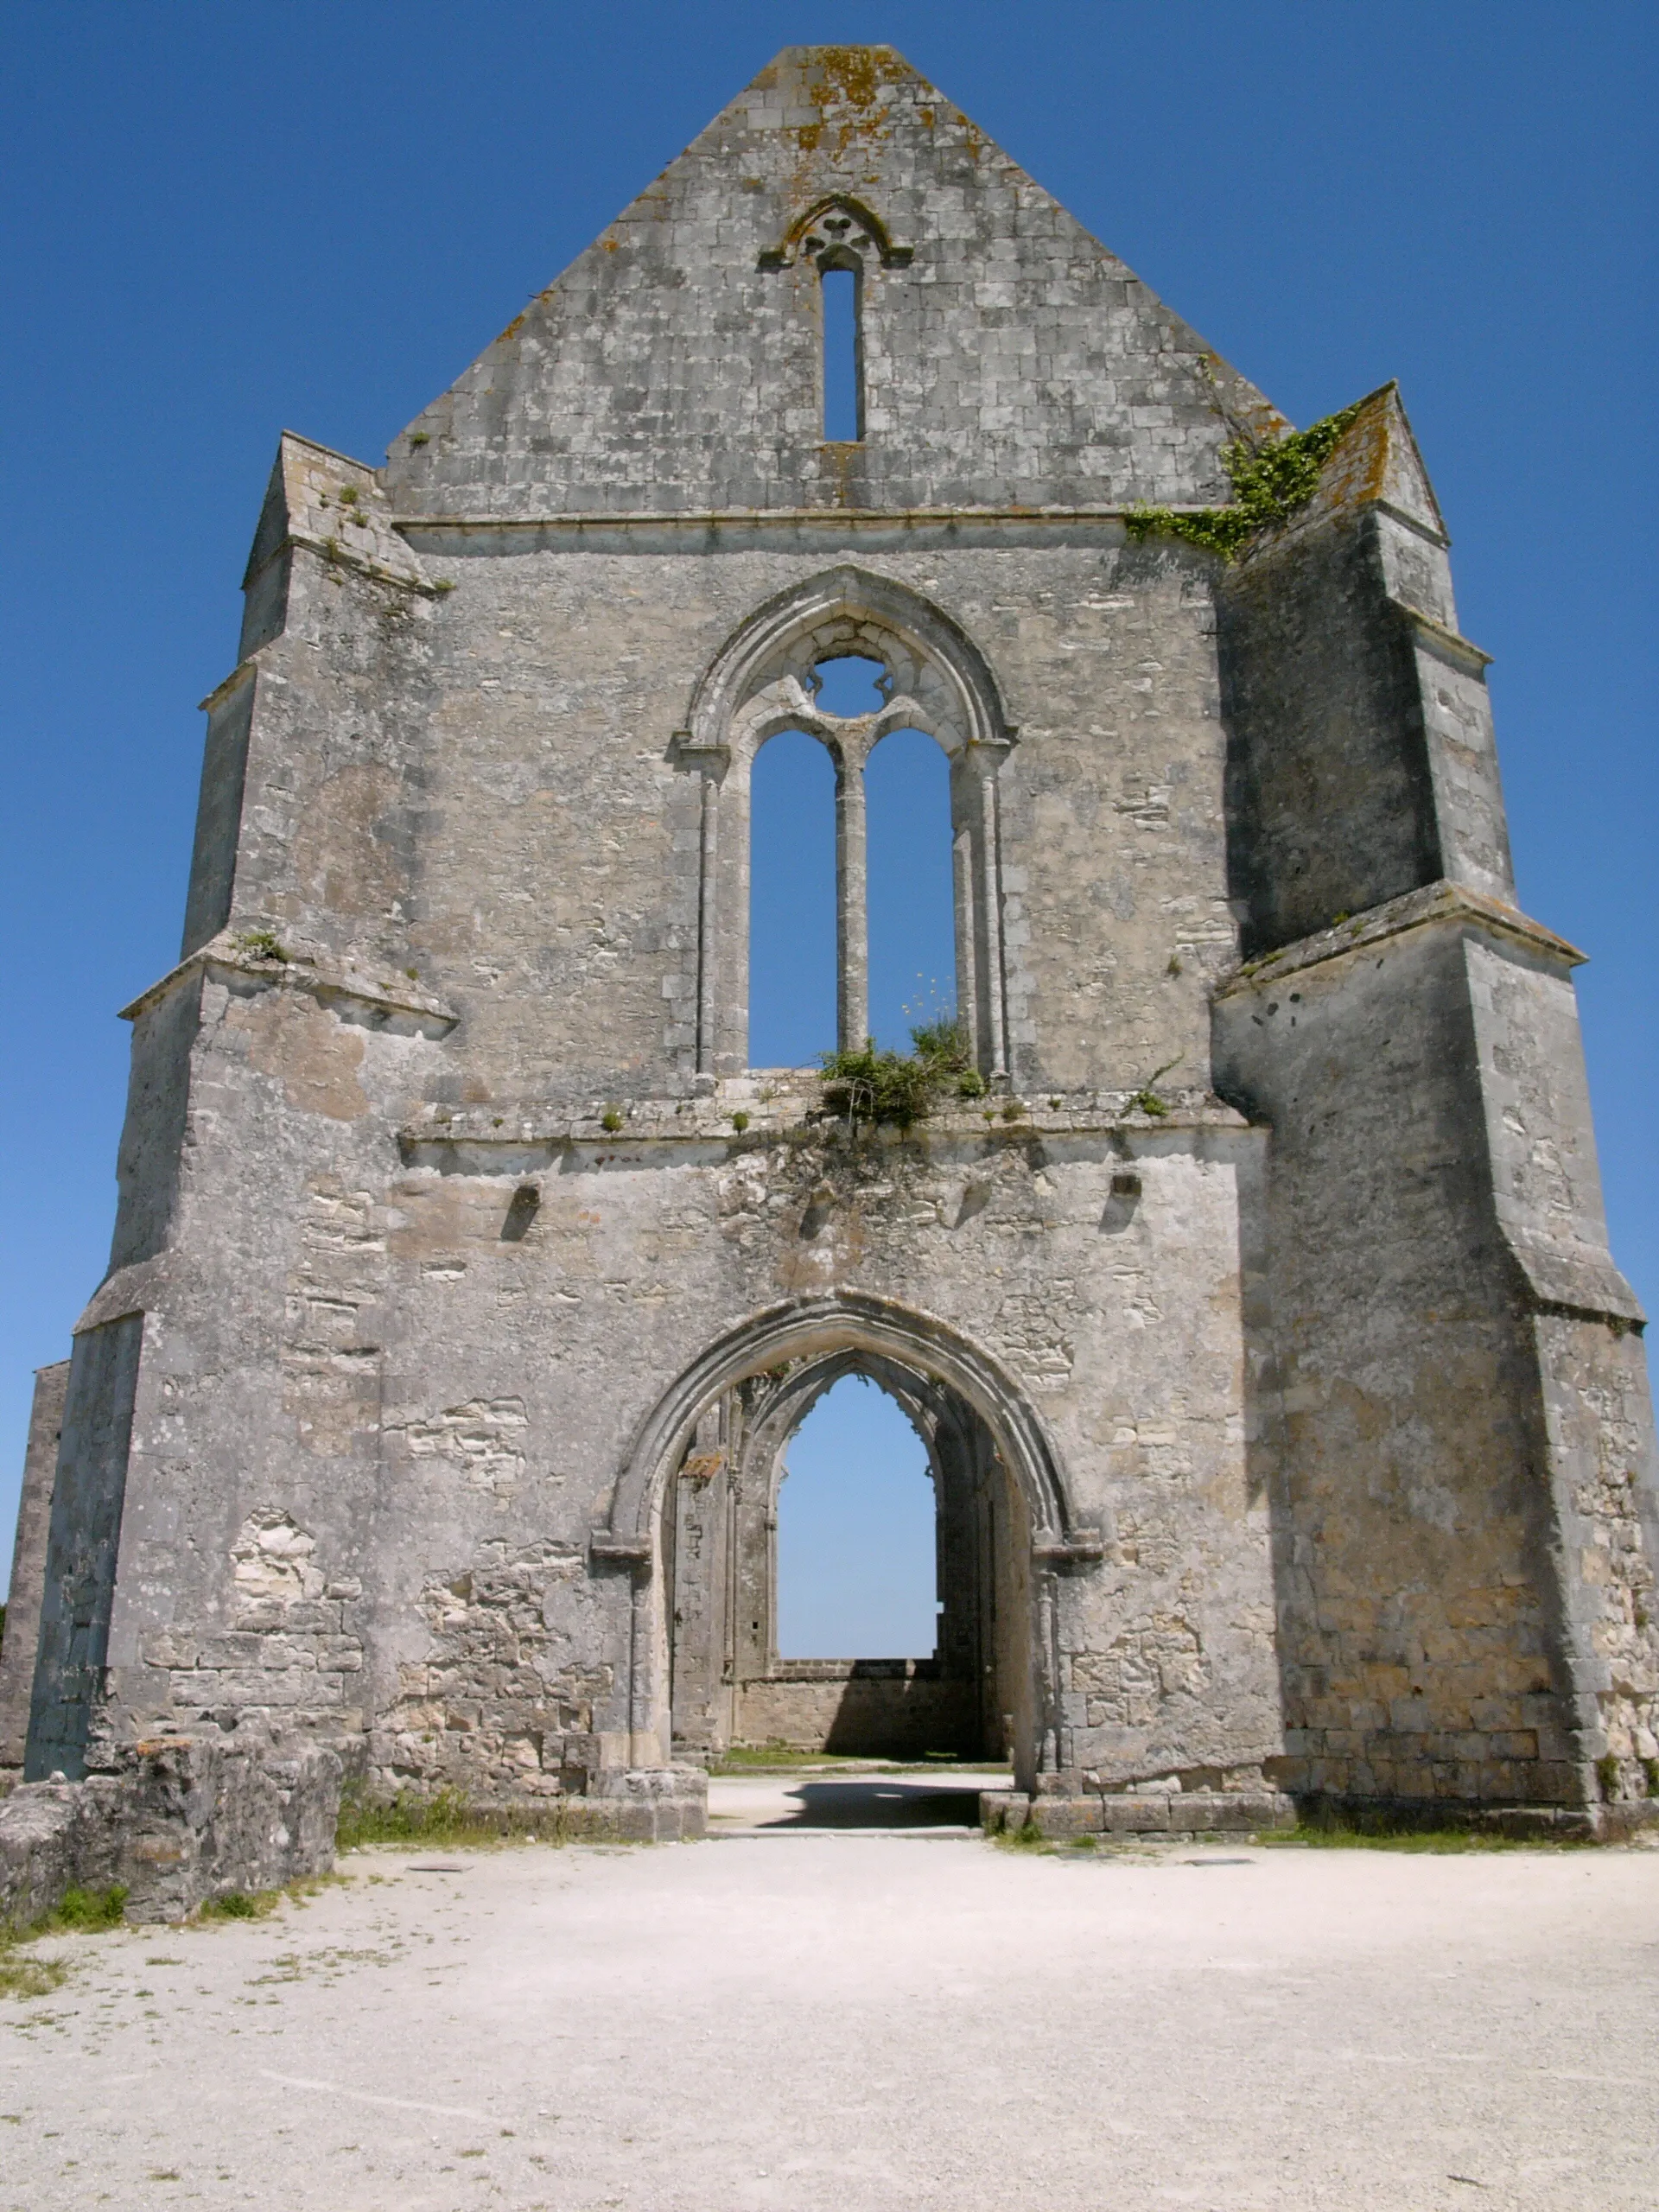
point(450, 1210)
point(1431, 1595)
point(1362, 760)
point(1010, 359)
point(23, 1638)
point(889, 1708)
point(175, 1821)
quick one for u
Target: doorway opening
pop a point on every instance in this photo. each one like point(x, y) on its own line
point(731, 1681)
point(857, 1532)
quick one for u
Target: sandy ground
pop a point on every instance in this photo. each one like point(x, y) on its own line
point(882, 2013)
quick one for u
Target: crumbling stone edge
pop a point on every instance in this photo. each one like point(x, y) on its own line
point(1196, 1814)
point(179, 1820)
point(176, 1819)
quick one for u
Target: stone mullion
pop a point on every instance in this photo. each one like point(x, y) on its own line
point(852, 904)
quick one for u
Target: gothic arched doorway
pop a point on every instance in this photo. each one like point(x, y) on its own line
point(694, 1512)
point(729, 1684)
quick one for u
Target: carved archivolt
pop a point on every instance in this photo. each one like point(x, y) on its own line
point(833, 225)
point(847, 1322)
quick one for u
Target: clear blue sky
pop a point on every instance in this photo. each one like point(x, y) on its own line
point(219, 220)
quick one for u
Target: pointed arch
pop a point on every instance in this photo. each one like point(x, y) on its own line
point(834, 1334)
point(941, 682)
point(761, 682)
point(838, 222)
point(799, 1347)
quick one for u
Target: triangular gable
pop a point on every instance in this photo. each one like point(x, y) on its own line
point(1010, 359)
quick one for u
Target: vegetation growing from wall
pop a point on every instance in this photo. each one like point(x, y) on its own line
point(1270, 483)
point(899, 1089)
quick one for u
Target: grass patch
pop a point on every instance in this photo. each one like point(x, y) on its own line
point(447, 1817)
point(240, 1904)
point(1382, 1834)
point(87, 1909)
point(758, 1758)
point(76, 1912)
point(26, 1977)
point(1027, 1837)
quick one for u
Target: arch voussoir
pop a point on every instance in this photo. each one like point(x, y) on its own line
point(853, 1322)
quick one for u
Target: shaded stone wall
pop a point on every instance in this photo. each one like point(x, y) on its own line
point(22, 1636)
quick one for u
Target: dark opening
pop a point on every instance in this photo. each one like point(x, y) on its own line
point(791, 903)
point(844, 377)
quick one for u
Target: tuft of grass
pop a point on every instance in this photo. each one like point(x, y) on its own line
point(1145, 1100)
point(25, 1978)
point(262, 944)
point(89, 1908)
point(447, 1816)
point(241, 1904)
point(899, 1089)
point(78, 1912)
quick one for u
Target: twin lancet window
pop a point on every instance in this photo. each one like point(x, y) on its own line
point(852, 922)
point(847, 739)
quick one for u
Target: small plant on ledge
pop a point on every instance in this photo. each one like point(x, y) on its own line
point(899, 1089)
point(1145, 1100)
point(261, 944)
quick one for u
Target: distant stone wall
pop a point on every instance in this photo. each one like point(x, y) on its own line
point(879, 1708)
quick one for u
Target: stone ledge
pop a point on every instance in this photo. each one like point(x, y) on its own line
point(400, 1004)
point(1164, 1812)
point(1433, 902)
point(790, 1110)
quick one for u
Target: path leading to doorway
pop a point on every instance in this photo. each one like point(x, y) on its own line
point(879, 1798)
point(850, 2019)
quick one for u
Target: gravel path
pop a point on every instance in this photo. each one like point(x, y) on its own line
point(832, 2019)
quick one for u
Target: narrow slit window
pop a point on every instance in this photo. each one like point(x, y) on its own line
point(844, 355)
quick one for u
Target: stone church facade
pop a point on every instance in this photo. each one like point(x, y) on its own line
point(1287, 1417)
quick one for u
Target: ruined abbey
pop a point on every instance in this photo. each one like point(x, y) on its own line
point(1287, 1418)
